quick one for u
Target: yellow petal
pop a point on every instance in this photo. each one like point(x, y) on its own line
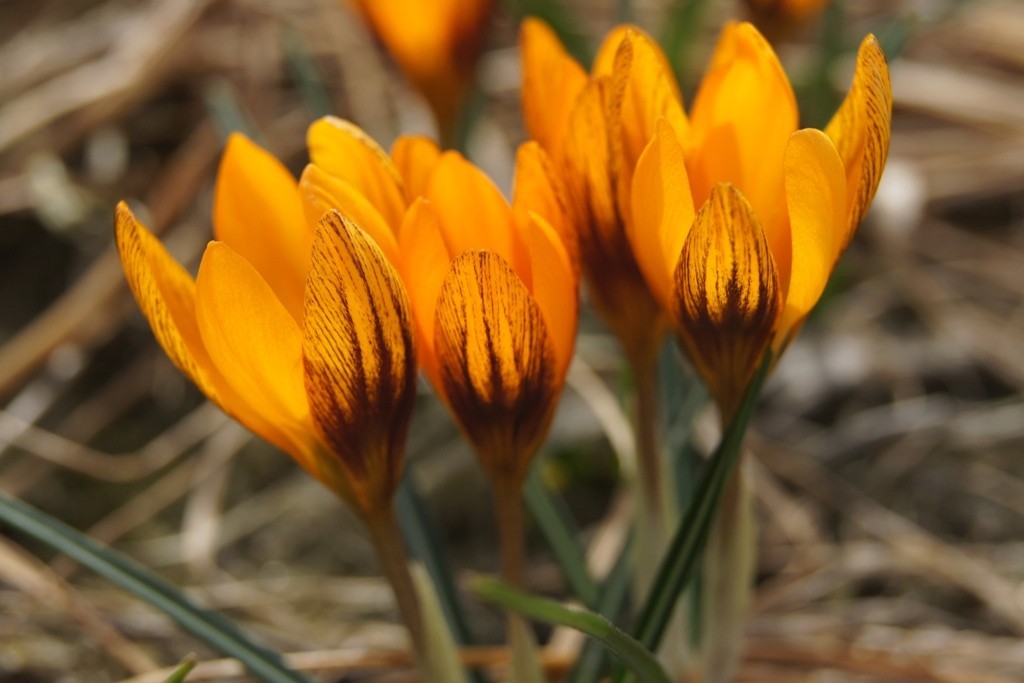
point(497, 363)
point(741, 121)
point(816, 196)
point(360, 366)
point(727, 292)
point(166, 295)
point(343, 150)
point(607, 53)
point(415, 157)
point(588, 156)
point(662, 212)
point(861, 130)
point(254, 343)
point(473, 214)
point(539, 188)
point(423, 265)
point(258, 213)
point(322, 192)
point(552, 81)
point(555, 288)
point(649, 91)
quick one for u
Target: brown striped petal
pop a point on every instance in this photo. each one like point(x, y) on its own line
point(861, 130)
point(496, 360)
point(359, 362)
point(727, 291)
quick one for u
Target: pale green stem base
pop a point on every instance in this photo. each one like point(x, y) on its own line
point(730, 563)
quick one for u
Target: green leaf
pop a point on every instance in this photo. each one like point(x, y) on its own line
point(614, 590)
point(562, 537)
point(184, 668)
point(560, 19)
point(683, 25)
point(681, 559)
point(210, 627)
point(619, 643)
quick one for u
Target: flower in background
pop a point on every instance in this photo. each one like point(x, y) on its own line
point(777, 17)
point(299, 329)
point(739, 217)
point(435, 43)
point(594, 127)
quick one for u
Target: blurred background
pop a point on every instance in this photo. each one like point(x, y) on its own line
point(887, 449)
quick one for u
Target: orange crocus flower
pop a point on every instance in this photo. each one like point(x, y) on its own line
point(739, 217)
point(436, 44)
point(594, 126)
point(299, 329)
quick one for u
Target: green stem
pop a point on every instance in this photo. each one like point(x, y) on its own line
point(387, 538)
point(631, 652)
point(678, 567)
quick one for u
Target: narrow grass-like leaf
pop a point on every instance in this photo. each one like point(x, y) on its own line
point(560, 19)
point(683, 24)
point(562, 537)
point(210, 627)
point(681, 559)
point(184, 668)
point(307, 75)
point(614, 590)
point(644, 664)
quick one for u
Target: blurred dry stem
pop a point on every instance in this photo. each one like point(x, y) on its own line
point(888, 473)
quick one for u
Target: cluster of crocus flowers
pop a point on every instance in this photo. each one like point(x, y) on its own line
point(436, 44)
point(316, 298)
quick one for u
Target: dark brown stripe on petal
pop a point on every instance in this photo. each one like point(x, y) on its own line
point(497, 363)
point(861, 130)
point(358, 357)
point(727, 294)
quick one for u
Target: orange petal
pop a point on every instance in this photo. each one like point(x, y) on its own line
point(166, 295)
point(473, 214)
point(539, 188)
point(727, 291)
point(415, 157)
point(322, 192)
point(423, 265)
point(861, 130)
point(255, 344)
point(343, 150)
point(497, 362)
point(590, 163)
point(360, 366)
point(607, 53)
point(555, 288)
point(649, 90)
point(741, 121)
point(258, 213)
point(662, 212)
point(552, 81)
point(816, 196)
